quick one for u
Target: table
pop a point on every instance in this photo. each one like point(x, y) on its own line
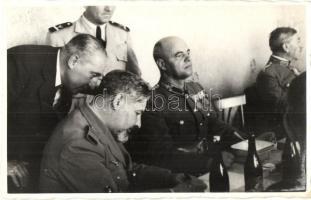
point(236, 173)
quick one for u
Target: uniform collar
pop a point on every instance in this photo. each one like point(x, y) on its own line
point(279, 60)
point(172, 88)
point(92, 27)
point(99, 131)
point(58, 80)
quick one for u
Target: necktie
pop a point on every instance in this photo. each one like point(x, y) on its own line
point(62, 101)
point(99, 36)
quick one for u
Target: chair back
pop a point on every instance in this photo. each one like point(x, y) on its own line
point(228, 108)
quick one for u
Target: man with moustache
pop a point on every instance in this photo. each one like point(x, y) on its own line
point(84, 153)
point(178, 125)
point(41, 80)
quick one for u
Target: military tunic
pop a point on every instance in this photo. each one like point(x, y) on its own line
point(83, 156)
point(273, 83)
point(272, 86)
point(177, 126)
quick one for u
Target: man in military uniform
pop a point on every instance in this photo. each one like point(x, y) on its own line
point(95, 21)
point(84, 153)
point(273, 82)
point(41, 80)
point(178, 125)
point(115, 37)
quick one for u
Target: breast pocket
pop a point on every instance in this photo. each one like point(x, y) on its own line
point(121, 52)
point(118, 174)
point(182, 128)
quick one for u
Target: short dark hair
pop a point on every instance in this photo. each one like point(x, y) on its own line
point(279, 36)
point(157, 50)
point(83, 45)
point(119, 81)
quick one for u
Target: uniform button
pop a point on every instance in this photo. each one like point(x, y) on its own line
point(118, 177)
point(201, 124)
point(181, 122)
point(287, 85)
point(134, 174)
point(208, 114)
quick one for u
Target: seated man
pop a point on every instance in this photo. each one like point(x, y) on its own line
point(178, 124)
point(273, 82)
point(84, 153)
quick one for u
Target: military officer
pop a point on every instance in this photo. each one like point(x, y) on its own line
point(273, 82)
point(178, 125)
point(95, 21)
point(84, 153)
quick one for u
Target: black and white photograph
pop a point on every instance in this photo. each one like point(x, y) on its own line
point(154, 99)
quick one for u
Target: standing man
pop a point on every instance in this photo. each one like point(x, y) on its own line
point(178, 125)
point(273, 82)
point(84, 153)
point(41, 80)
point(115, 37)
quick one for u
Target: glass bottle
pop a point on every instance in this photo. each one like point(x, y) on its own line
point(253, 173)
point(218, 179)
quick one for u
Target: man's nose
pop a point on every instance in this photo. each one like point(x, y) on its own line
point(187, 58)
point(97, 80)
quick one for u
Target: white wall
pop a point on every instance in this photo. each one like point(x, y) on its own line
point(229, 42)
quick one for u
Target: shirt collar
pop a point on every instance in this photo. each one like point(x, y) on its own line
point(58, 80)
point(93, 27)
point(280, 58)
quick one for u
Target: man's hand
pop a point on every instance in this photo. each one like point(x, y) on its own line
point(187, 183)
point(18, 172)
point(228, 158)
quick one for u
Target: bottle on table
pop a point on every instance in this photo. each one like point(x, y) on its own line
point(253, 173)
point(291, 161)
point(218, 179)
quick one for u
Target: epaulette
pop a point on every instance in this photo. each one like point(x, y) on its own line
point(60, 27)
point(127, 29)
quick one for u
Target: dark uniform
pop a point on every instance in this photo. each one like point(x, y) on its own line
point(272, 85)
point(177, 126)
point(31, 114)
point(83, 156)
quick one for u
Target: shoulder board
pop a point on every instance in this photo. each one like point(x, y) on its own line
point(59, 27)
point(120, 26)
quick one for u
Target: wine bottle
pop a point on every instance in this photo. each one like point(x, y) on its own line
point(253, 173)
point(218, 179)
point(291, 161)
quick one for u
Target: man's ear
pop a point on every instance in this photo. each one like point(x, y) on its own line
point(285, 47)
point(117, 101)
point(161, 64)
point(73, 60)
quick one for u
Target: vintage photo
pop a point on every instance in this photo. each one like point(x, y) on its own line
point(156, 97)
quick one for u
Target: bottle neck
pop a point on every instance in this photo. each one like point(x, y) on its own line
point(251, 144)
